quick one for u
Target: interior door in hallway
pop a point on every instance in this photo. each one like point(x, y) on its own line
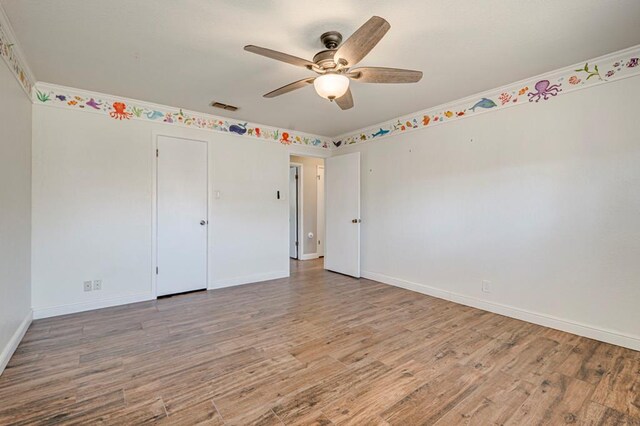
point(294, 205)
point(182, 217)
point(320, 211)
point(342, 214)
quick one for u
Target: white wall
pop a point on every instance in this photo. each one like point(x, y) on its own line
point(93, 186)
point(15, 213)
point(544, 203)
point(310, 203)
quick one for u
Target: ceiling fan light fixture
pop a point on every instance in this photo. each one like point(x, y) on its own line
point(331, 85)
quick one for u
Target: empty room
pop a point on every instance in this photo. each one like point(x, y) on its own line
point(284, 212)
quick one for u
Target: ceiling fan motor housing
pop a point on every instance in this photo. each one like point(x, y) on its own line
point(331, 39)
point(324, 59)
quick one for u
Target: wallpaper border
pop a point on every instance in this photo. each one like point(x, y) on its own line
point(12, 55)
point(535, 90)
point(123, 109)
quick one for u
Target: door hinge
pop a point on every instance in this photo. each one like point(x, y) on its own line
point(318, 176)
point(156, 153)
point(296, 177)
point(156, 270)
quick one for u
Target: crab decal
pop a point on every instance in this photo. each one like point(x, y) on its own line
point(544, 90)
point(119, 112)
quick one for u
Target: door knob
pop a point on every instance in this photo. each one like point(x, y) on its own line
point(203, 222)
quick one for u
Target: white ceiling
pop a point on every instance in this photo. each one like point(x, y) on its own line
point(188, 53)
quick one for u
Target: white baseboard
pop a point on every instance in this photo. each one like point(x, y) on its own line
point(590, 331)
point(248, 279)
point(15, 340)
point(72, 308)
point(310, 256)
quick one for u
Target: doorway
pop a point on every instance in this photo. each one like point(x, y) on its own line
point(307, 205)
point(295, 209)
point(181, 215)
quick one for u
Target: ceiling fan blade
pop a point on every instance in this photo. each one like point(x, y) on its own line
point(290, 87)
point(345, 101)
point(279, 56)
point(362, 41)
point(384, 75)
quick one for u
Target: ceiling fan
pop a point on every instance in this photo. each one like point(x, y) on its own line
point(334, 64)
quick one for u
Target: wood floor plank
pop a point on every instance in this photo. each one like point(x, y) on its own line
point(363, 406)
point(620, 388)
point(431, 401)
point(316, 348)
point(590, 361)
point(596, 414)
point(557, 400)
point(494, 402)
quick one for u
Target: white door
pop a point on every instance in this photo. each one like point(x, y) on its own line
point(182, 215)
point(320, 213)
point(342, 228)
point(293, 212)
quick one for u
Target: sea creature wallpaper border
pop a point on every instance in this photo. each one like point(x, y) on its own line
point(126, 109)
point(536, 90)
point(608, 68)
point(8, 53)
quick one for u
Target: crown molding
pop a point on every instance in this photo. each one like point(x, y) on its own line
point(537, 90)
point(13, 56)
point(123, 109)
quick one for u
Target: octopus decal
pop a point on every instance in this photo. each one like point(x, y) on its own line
point(119, 112)
point(544, 90)
point(285, 138)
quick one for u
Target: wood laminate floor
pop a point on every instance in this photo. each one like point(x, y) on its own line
point(317, 348)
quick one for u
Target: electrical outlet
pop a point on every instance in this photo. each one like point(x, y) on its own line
point(97, 284)
point(88, 286)
point(486, 286)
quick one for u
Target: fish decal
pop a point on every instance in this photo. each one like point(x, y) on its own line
point(93, 104)
point(61, 98)
point(240, 129)
point(380, 132)
point(316, 142)
point(483, 103)
point(154, 115)
point(337, 143)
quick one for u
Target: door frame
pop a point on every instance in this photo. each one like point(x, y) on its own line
point(300, 250)
point(154, 209)
point(320, 210)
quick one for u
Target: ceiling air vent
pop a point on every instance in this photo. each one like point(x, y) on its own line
point(224, 106)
